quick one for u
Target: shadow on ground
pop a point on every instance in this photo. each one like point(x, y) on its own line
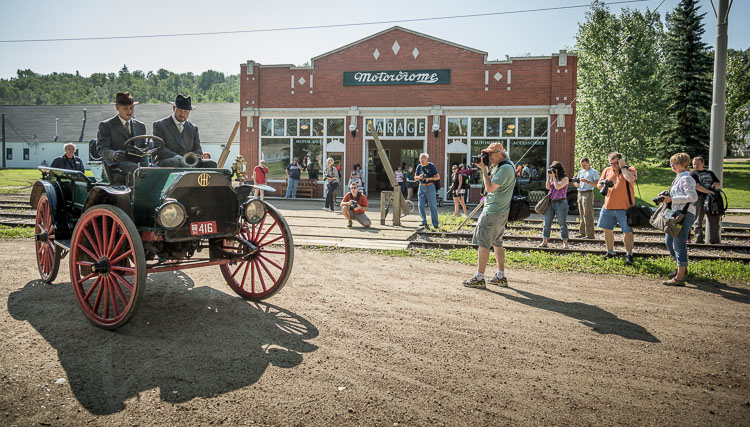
point(188, 341)
point(599, 320)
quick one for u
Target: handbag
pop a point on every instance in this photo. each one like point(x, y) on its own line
point(541, 206)
point(666, 220)
point(638, 216)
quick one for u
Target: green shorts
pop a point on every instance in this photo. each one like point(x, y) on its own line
point(490, 230)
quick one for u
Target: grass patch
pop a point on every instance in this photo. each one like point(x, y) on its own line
point(7, 232)
point(653, 180)
point(18, 180)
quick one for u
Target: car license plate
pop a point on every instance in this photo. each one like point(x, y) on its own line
point(204, 227)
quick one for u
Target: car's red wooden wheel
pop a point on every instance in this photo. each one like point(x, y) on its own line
point(107, 266)
point(264, 273)
point(47, 254)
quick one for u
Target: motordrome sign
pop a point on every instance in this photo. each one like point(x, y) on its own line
point(397, 77)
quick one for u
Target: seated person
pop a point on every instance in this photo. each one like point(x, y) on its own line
point(180, 137)
point(112, 134)
point(69, 160)
point(354, 206)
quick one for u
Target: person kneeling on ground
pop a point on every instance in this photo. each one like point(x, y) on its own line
point(354, 206)
point(490, 228)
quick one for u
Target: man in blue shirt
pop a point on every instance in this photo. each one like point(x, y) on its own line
point(491, 224)
point(426, 175)
point(69, 160)
point(588, 178)
point(293, 171)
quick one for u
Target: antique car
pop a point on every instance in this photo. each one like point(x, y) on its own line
point(162, 219)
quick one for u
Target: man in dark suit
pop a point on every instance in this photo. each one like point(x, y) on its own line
point(180, 137)
point(69, 160)
point(110, 140)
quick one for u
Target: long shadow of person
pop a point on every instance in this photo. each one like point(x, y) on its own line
point(599, 320)
point(188, 341)
point(725, 291)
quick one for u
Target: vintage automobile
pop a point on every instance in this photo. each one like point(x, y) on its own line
point(162, 219)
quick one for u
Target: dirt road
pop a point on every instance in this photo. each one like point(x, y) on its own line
point(360, 339)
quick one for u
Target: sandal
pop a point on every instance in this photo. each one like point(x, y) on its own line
point(674, 282)
point(672, 275)
point(542, 245)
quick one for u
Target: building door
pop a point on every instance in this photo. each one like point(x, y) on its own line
point(338, 162)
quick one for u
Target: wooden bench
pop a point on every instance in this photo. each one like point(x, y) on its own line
point(306, 187)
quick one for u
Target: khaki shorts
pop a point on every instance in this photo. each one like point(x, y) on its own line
point(361, 218)
point(490, 230)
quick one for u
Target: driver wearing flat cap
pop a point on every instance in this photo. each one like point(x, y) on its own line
point(180, 137)
point(112, 134)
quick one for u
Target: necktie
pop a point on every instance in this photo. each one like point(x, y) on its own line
point(180, 126)
point(127, 128)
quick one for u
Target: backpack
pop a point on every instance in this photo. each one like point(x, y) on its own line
point(716, 203)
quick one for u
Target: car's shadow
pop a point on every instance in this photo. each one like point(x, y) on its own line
point(186, 341)
point(599, 320)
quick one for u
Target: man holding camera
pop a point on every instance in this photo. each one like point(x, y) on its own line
point(585, 182)
point(616, 185)
point(354, 206)
point(180, 138)
point(426, 175)
point(490, 227)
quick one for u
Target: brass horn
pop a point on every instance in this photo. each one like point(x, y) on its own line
point(191, 159)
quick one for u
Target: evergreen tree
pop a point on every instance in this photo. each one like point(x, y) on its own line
point(687, 83)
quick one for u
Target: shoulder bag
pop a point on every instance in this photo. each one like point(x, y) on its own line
point(541, 205)
point(666, 220)
point(638, 216)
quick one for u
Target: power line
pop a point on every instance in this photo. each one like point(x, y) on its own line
point(312, 27)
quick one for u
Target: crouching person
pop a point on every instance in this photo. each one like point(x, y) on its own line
point(354, 206)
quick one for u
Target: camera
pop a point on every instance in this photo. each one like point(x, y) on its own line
point(660, 199)
point(484, 157)
point(575, 180)
point(606, 185)
point(551, 171)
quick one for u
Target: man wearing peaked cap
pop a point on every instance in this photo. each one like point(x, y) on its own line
point(112, 134)
point(180, 137)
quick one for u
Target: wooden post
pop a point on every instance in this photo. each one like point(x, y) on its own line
point(225, 152)
point(398, 200)
point(384, 198)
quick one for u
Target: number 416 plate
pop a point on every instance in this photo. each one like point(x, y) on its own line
point(205, 227)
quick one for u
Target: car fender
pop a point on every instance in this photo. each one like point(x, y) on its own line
point(57, 204)
point(117, 196)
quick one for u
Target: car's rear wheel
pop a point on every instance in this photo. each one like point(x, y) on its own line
point(47, 253)
point(107, 266)
point(261, 275)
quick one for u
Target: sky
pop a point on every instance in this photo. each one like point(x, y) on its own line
point(516, 34)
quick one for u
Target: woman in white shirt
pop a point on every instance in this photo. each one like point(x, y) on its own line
point(681, 193)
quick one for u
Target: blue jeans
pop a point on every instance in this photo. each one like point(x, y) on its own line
point(678, 245)
point(291, 187)
point(428, 196)
point(561, 210)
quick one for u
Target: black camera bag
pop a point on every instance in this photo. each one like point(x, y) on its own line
point(638, 216)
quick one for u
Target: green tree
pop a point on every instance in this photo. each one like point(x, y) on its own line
point(620, 98)
point(738, 100)
point(687, 84)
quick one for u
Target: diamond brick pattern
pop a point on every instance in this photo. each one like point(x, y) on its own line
point(376, 54)
point(395, 48)
point(301, 81)
point(497, 76)
point(415, 53)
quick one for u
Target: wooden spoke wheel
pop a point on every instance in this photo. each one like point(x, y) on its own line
point(47, 253)
point(261, 275)
point(107, 266)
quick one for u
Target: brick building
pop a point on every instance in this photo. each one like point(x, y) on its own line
point(422, 94)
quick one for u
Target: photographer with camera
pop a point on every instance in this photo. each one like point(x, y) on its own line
point(426, 175)
point(585, 182)
point(706, 182)
point(682, 194)
point(354, 206)
point(557, 185)
point(490, 227)
point(616, 185)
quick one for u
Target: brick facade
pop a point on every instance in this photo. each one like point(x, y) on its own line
point(539, 84)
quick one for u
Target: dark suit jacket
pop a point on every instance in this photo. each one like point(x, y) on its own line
point(112, 136)
point(176, 143)
point(63, 162)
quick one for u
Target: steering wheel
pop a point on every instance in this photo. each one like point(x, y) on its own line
point(131, 148)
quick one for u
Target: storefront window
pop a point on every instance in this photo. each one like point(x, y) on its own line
point(389, 129)
point(477, 127)
point(291, 127)
point(393, 127)
point(493, 126)
point(530, 152)
point(266, 126)
point(400, 130)
point(477, 145)
point(304, 127)
point(309, 151)
point(317, 129)
point(411, 128)
point(509, 127)
point(278, 127)
point(336, 127)
point(524, 126)
point(275, 151)
point(458, 126)
point(540, 126)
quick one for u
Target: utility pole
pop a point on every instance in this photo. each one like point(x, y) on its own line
point(719, 104)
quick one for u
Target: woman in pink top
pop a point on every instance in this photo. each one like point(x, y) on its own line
point(557, 184)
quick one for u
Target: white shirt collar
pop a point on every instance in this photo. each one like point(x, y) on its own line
point(176, 122)
point(122, 121)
